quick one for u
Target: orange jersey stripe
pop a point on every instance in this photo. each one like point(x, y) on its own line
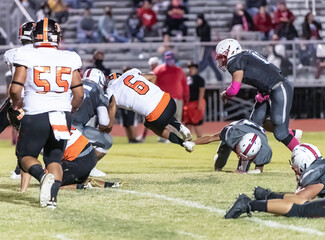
point(60, 128)
point(73, 151)
point(161, 106)
point(45, 24)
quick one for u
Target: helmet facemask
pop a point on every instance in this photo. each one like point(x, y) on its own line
point(223, 59)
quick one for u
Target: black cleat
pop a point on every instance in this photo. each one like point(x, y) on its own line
point(240, 206)
point(261, 193)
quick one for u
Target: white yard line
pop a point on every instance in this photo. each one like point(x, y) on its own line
point(186, 203)
point(192, 235)
point(62, 237)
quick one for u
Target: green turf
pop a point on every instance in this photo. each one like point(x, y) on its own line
point(182, 201)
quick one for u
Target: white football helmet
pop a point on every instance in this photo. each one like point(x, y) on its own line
point(96, 76)
point(302, 156)
point(248, 146)
point(225, 50)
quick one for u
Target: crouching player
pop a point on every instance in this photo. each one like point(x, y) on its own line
point(246, 139)
point(78, 160)
point(309, 167)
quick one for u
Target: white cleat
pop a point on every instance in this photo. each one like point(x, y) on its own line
point(254, 171)
point(298, 134)
point(46, 185)
point(189, 146)
point(14, 175)
point(186, 133)
point(96, 173)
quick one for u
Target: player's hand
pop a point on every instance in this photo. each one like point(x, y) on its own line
point(189, 146)
point(260, 98)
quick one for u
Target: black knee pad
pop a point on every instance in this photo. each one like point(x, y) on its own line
point(297, 210)
point(54, 156)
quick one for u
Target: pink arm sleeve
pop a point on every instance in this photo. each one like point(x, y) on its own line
point(233, 89)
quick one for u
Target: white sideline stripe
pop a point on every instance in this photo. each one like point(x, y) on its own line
point(197, 205)
point(62, 237)
point(192, 235)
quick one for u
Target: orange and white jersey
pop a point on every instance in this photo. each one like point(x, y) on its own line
point(48, 81)
point(9, 55)
point(75, 145)
point(134, 92)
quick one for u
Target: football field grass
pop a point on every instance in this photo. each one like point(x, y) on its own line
point(168, 194)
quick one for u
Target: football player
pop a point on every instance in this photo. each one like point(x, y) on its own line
point(49, 76)
point(25, 37)
point(246, 139)
point(309, 167)
point(275, 92)
point(135, 91)
point(94, 105)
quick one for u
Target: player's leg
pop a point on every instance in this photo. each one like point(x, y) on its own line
point(281, 98)
point(259, 112)
point(221, 158)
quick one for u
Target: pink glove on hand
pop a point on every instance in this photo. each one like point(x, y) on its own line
point(259, 98)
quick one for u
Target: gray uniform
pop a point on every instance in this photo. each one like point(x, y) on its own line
point(268, 80)
point(232, 134)
point(314, 174)
point(94, 98)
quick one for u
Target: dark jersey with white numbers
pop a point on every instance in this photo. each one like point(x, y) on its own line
point(258, 72)
point(94, 97)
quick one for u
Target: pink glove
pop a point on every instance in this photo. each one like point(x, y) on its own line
point(259, 98)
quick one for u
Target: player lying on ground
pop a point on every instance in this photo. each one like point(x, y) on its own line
point(95, 104)
point(134, 91)
point(78, 160)
point(309, 167)
point(246, 139)
point(275, 92)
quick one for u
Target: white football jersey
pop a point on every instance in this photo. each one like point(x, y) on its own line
point(8, 57)
point(134, 92)
point(48, 81)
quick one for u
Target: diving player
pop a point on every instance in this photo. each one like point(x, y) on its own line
point(232, 137)
point(135, 91)
point(309, 167)
point(251, 68)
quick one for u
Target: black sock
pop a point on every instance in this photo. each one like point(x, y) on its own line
point(175, 139)
point(258, 205)
point(176, 124)
point(36, 171)
point(287, 140)
point(274, 195)
point(17, 170)
point(55, 189)
point(108, 184)
point(293, 131)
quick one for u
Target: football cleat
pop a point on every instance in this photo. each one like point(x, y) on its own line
point(189, 146)
point(51, 205)
point(96, 173)
point(186, 133)
point(240, 206)
point(298, 134)
point(46, 185)
point(261, 193)
point(14, 175)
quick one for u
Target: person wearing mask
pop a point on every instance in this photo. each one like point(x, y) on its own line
point(241, 22)
point(148, 17)
point(263, 23)
point(86, 28)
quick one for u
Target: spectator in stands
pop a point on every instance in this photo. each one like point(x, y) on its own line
point(134, 27)
point(79, 3)
point(203, 31)
point(44, 11)
point(148, 18)
point(107, 28)
point(310, 27)
point(241, 22)
point(30, 7)
point(175, 20)
point(86, 28)
point(98, 59)
point(283, 21)
point(263, 24)
point(171, 79)
point(253, 6)
point(194, 110)
point(59, 10)
point(160, 6)
point(153, 62)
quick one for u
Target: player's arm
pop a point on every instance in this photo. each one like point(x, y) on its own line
point(77, 91)
point(111, 114)
point(233, 89)
point(207, 139)
point(201, 97)
point(150, 77)
point(310, 192)
point(103, 118)
point(17, 85)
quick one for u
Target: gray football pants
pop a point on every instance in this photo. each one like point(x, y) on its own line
point(278, 108)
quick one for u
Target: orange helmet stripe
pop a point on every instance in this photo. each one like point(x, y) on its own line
point(45, 24)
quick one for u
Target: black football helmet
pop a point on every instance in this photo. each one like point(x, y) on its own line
point(47, 33)
point(26, 31)
point(113, 76)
